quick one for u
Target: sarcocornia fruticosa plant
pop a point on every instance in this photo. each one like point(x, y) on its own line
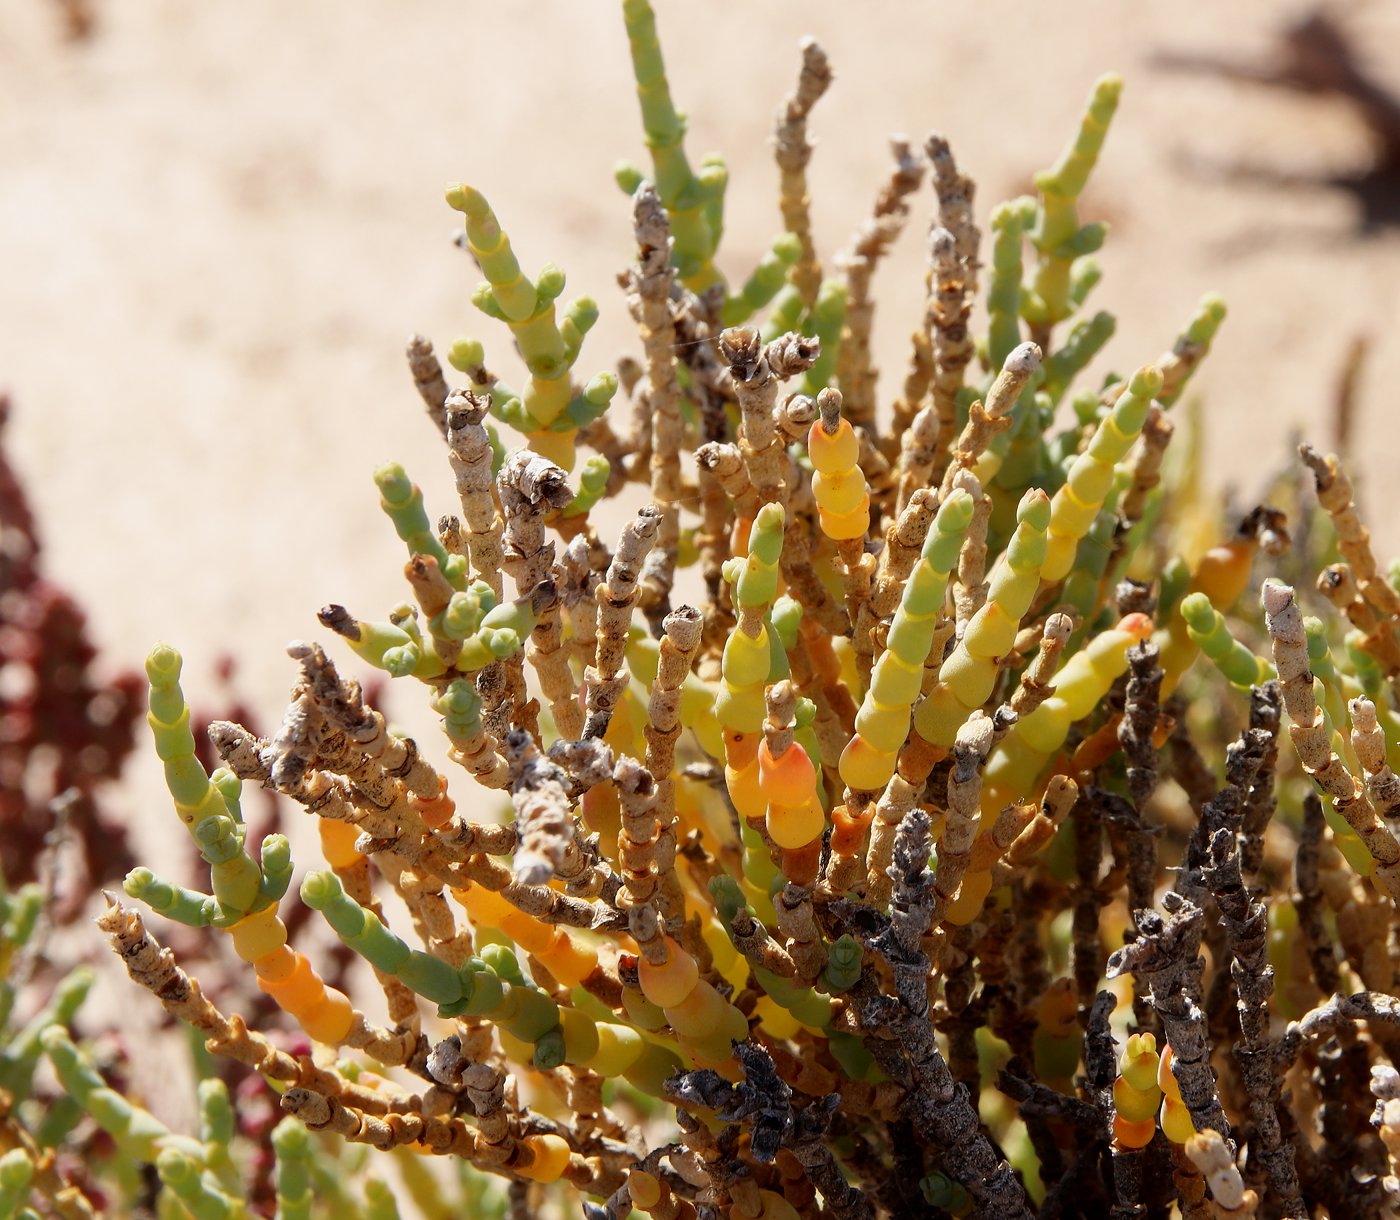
point(853, 803)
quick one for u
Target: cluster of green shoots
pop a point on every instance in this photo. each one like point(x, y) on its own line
point(890, 816)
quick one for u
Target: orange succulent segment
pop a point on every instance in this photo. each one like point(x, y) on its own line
point(277, 967)
point(793, 827)
point(550, 1157)
point(671, 982)
point(338, 843)
point(1134, 1104)
point(568, 959)
point(1130, 1133)
point(849, 829)
point(1176, 1120)
point(1222, 573)
point(329, 1019)
point(699, 1013)
point(839, 487)
point(297, 987)
point(833, 452)
point(972, 896)
point(323, 1012)
point(644, 1189)
point(258, 935)
point(842, 492)
point(437, 811)
point(788, 779)
point(846, 527)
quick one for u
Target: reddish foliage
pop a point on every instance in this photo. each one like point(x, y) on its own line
point(63, 727)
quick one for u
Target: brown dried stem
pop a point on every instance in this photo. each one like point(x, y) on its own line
point(1265, 716)
point(606, 679)
point(970, 587)
point(987, 419)
point(1368, 740)
point(1309, 735)
point(793, 151)
point(757, 370)
point(680, 644)
point(469, 454)
point(649, 286)
point(544, 823)
point(974, 743)
point(428, 380)
point(1061, 793)
point(155, 969)
point(1353, 539)
point(904, 541)
point(920, 453)
point(855, 373)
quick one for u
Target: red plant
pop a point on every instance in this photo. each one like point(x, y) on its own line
point(65, 729)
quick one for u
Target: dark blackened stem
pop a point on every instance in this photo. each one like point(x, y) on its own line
point(1246, 928)
point(966, 1014)
point(1328, 1019)
point(1141, 709)
point(900, 1035)
point(1265, 715)
point(1165, 957)
point(1307, 899)
point(1088, 900)
point(1100, 1071)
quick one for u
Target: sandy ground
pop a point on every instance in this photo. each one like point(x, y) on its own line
point(219, 222)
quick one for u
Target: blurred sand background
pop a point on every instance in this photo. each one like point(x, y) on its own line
point(219, 222)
